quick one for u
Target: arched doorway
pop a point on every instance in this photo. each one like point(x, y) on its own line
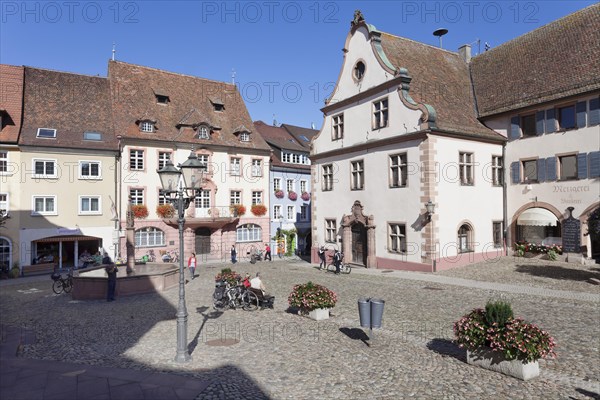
point(359, 244)
point(202, 242)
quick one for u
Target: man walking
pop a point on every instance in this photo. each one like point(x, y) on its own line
point(323, 263)
point(111, 271)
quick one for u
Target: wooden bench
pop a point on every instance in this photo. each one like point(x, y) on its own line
point(38, 269)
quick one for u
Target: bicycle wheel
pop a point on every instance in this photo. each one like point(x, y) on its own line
point(68, 286)
point(58, 287)
point(249, 301)
point(331, 267)
point(346, 268)
point(219, 304)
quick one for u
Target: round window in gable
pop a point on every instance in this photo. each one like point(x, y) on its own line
point(359, 70)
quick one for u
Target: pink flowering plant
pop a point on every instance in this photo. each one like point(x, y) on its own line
point(305, 196)
point(513, 337)
point(310, 296)
point(228, 275)
point(279, 194)
point(292, 195)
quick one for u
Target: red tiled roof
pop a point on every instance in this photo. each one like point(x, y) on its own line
point(441, 79)
point(190, 103)
point(302, 135)
point(280, 138)
point(555, 61)
point(69, 103)
point(11, 102)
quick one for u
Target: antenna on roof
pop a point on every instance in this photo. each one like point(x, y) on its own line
point(233, 76)
point(113, 51)
point(439, 33)
point(274, 120)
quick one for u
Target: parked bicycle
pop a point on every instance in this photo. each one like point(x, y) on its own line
point(62, 284)
point(170, 256)
point(231, 296)
point(345, 268)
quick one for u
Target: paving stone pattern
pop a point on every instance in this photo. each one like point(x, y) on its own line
point(274, 354)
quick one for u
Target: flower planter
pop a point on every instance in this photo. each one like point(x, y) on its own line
point(495, 361)
point(319, 314)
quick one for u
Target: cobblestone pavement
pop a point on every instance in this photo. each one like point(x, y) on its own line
point(279, 355)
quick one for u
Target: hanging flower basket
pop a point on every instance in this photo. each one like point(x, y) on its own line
point(237, 210)
point(279, 194)
point(140, 211)
point(292, 196)
point(165, 211)
point(310, 296)
point(259, 210)
point(305, 196)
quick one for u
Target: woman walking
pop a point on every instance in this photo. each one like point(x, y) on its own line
point(192, 264)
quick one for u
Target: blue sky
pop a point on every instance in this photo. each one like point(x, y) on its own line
point(286, 54)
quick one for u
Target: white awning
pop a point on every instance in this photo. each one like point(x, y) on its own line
point(537, 217)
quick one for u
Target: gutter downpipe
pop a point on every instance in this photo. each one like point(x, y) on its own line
point(504, 201)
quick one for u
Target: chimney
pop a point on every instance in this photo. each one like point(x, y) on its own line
point(465, 52)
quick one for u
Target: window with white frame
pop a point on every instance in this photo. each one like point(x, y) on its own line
point(235, 166)
point(147, 126)
point(203, 132)
point(380, 114)
point(327, 177)
point(497, 233)
point(149, 237)
point(90, 170)
point(497, 171)
point(358, 174)
point(286, 157)
point(276, 211)
point(44, 168)
point(3, 162)
point(137, 196)
point(296, 158)
point(44, 205)
point(304, 212)
point(163, 158)
point(276, 184)
point(136, 159)
point(89, 205)
point(291, 213)
point(4, 202)
point(330, 230)
point(256, 197)
point(244, 137)
point(256, 167)
point(249, 233)
point(46, 133)
point(465, 166)
point(203, 159)
point(235, 197)
point(398, 170)
point(302, 186)
point(162, 198)
point(338, 126)
point(289, 185)
point(5, 252)
point(202, 199)
point(397, 238)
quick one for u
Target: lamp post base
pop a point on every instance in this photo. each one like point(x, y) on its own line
point(183, 358)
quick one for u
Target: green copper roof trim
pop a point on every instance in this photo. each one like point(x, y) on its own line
point(376, 42)
point(429, 114)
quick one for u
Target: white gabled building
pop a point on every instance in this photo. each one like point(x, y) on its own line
point(401, 130)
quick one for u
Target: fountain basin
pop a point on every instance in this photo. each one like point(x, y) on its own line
point(148, 278)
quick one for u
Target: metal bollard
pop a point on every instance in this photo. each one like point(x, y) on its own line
point(364, 312)
point(370, 312)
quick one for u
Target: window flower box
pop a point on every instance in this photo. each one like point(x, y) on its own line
point(279, 194)
point(305, 196)
point(258, 210)
point(237, 210)
point(165, 211)
point(293, 196)
point(140, 211)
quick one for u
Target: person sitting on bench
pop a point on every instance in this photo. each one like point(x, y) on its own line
point(258, 287)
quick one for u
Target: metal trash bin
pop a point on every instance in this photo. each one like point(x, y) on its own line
point(376, 312)
point(364, 312)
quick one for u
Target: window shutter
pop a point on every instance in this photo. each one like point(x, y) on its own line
point(580, 109)
point(594, 161)
point(582, 166)
point(515, 131)
point(594, 114)
point(515, 171)
point(539, 122)
point(551, 169)
point(550, 121)
point(541, 170)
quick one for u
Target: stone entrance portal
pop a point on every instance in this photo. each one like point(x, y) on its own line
point(358, 237)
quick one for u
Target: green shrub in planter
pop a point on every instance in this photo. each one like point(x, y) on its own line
point(14, 272)
point(552, 256)
point(499, 312)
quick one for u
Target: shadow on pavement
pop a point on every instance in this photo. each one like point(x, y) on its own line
point(447, 348)
point(556, 272)
point(355, 334)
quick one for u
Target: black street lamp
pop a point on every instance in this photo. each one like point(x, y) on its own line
point(180, 186)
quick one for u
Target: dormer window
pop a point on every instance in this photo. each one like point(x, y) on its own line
point(46, 133)
point(162, 97)
point(244, 137)
point(147, 126)
point(203, 132)
point(218, 104)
